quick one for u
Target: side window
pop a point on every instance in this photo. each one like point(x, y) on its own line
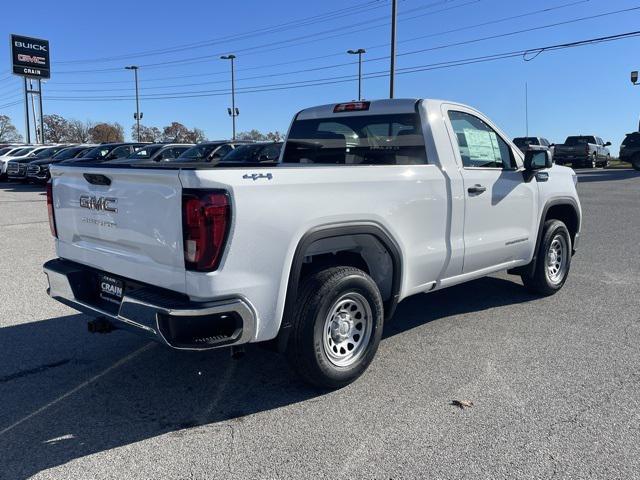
point(480, 146)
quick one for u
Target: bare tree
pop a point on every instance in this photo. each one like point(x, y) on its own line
point(274, 136)
point(195, 136)
point(8, 132)
point(176, 132)
point(79, 131)
point(56, 128)
point(147, 134)
point(251, 135)
point(106, 132)
point(256, 135)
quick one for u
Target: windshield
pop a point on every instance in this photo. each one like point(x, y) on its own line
point(254, 153)
point(21, 152)
point(145, 152)
point(5, 150)
point(99, 152)
point(571, 141)
point(357, 139)
point(68, 153)
point(524, 141)
point(47, 152)
point(198, 153)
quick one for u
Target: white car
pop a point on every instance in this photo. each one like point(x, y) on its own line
point(370, 203)
point(9, 153)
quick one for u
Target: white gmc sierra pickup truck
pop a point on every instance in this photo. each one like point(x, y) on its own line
point(369, 203)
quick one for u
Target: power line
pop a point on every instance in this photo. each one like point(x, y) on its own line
point(325, 67)
point(348, 78)
point(341, 53)
point(275, 45)
point(298, 23)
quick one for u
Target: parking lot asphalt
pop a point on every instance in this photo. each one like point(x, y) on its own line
point(555, 381)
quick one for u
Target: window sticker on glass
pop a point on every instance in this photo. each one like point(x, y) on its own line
point(483, 145)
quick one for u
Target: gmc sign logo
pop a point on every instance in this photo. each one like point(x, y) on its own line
point(32, 59)
point(100, 204)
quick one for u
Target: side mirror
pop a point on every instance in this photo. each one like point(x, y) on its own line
point(537, 160)
point(608, 144)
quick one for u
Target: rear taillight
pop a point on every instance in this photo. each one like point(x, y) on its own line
point(206, 216)
point(52, 215)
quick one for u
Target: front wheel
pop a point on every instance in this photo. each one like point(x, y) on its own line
point(635, 162)
point(552, 261)
point(336, 327)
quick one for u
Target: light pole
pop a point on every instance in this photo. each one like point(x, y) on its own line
point(392, 66)
point(358, 52)
point(634, 80)
point(136, 115)
point(233, 111)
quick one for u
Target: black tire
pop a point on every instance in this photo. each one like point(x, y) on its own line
point(592, 162)
point(317, 296)
point(540, 281)
point(635, 163)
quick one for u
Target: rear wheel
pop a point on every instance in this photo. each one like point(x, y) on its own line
point(552, 261)
point(635, 162)
point(336, 327)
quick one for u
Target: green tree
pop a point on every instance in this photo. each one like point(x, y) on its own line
point(106, 132)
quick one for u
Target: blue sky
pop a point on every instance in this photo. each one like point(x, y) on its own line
point(577, 90)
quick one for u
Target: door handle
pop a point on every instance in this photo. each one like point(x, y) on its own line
point(477, 189)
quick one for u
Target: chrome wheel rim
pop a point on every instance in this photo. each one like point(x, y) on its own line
point(347, 329)
point(557, 259)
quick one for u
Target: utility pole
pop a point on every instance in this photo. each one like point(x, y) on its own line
point(137, 115)
point(233, 111)
point(392, 67)
point(526, 106)
point(41, 111)
point(27, 127)
point(634, 80)
point(358, 52)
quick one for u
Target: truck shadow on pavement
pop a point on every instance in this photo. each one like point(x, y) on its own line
point(67, 394)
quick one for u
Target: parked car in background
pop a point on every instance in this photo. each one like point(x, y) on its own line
point(38, 170)
point(312, 254)
point(523, 143)
point(630, 149)
point(108, 151)
point(267, 152)
point(210, 151)
point(583, 151)
point(13, 153)
point(157, 152)
point(17, 167)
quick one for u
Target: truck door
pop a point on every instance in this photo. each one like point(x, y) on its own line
point(500, 207)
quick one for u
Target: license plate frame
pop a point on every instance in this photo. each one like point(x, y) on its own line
point(110, 288)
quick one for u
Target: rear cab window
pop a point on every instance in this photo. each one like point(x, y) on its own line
point(376, 139)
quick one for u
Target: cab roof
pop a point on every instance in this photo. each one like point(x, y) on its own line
point(375, 107)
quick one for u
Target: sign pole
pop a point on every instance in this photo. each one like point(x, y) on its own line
point(27, 130)
point(41, 112)
point(33, 110)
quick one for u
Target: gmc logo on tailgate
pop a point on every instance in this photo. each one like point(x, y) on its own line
point(101, 204)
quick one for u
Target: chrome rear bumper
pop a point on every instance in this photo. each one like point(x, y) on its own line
point(164, 316)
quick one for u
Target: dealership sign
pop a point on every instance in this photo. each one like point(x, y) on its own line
point(30, 57)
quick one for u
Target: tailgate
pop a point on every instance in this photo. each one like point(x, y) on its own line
point(131, 227)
